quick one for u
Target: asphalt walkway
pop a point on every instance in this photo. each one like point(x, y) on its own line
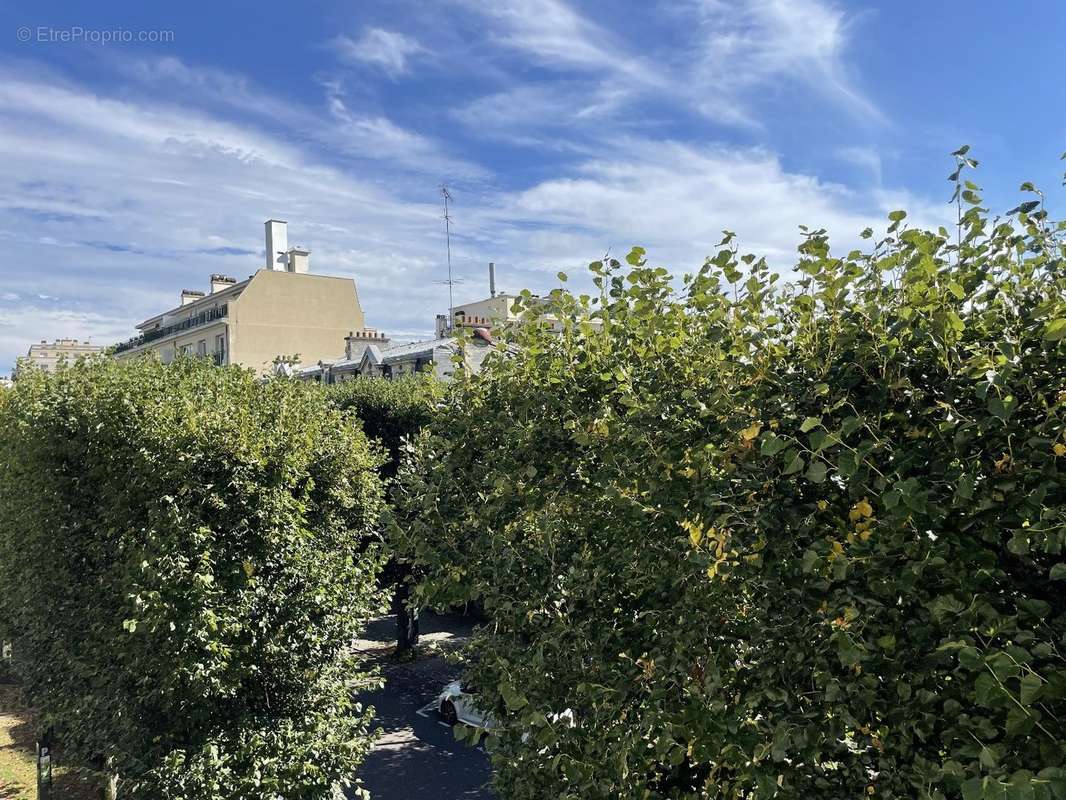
point(416, 757)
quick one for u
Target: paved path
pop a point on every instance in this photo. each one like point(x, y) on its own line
point(416, 757)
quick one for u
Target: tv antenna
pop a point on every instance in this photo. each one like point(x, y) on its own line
point(447, 198)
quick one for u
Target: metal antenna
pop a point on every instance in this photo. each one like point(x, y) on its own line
point(446, 196)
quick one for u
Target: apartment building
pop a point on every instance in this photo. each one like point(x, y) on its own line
point(49, 355)
point(282, 310)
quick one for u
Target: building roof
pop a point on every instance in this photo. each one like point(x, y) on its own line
point(414, 349)
point(203, 301)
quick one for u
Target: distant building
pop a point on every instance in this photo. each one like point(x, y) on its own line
point(470, 331)
point(281, 310)
point(49, 355)
point(436, 356)
point(370, 354)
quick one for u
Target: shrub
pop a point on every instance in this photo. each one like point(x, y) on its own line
point(390, 411)
point(755, 540)
point(393, 412)
point(186, 555)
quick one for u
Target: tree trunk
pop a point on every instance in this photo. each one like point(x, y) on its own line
point(406, 616)
point(111, 786)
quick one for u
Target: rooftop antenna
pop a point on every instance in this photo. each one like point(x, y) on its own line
point(447, 198)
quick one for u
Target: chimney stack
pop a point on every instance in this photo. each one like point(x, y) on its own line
point(363, 337)
point(277, 244)
point(220, 282)
point(492, 279)
point(190, 296)
point(299, 259)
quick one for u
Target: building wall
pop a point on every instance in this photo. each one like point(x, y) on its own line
point(48, 355)
point(287, 313)
point(497, 309)
point(168, 349)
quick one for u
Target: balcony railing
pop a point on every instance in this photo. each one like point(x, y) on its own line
point(203, 318)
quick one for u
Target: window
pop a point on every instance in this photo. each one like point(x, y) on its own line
point(220, 349)
point(201, 348)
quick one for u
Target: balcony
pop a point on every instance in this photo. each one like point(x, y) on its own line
point(203, 318)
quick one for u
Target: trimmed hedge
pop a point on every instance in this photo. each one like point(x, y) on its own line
point(390, 411)
point(186, 555)
point(751, 539)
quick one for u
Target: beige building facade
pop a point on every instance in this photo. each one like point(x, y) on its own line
point(281, 311)
point(49, 355)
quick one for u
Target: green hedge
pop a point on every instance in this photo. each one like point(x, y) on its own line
point(186, 555)
point(390, 411)
point(746, 539)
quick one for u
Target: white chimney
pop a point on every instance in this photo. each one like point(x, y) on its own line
point(277, 244)
point(190, 296)
point(220, 282)
point(298, 259)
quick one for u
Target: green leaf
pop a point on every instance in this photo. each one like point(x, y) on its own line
point(969, 657)
point(816, 472)
point(809, 423)
point(772, 444)
point(810, 559)
point(513, 699)
point(795, 465)
point(972, 789)
point(1031, 686)
point(1058, 572)
point(1055, 330)
point(897, 216)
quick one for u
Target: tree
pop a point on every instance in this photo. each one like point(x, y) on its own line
point(186, 555)
point(393, 412)
point(754, 539)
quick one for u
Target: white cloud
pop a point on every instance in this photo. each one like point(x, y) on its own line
point(389, 50)
point(554, 117)
point(750, 44)
point(556, 36)
point(734, 53)
point(675, 199)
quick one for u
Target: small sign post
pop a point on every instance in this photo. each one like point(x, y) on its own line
point(44, 766)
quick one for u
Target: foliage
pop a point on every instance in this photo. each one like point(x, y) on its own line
point(186, 554)
point(754, 540)
point(391, 411)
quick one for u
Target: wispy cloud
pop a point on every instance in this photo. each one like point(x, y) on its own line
point(388, 50)
point(747, 45)
point(732, 52)
point(556, 36)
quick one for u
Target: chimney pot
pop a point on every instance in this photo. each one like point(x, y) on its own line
point(492, 279)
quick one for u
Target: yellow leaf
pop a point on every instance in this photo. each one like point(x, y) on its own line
point(860, 509)
point(695, 531)
point(822, 505)
point(751, 432)
point(249, 570)
point(1060, 449)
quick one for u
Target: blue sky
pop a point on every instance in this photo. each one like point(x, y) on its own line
point(563, 129)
